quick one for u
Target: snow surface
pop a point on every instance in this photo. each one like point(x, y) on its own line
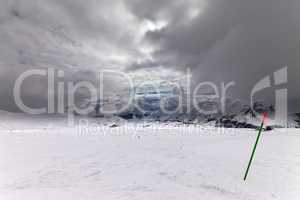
point(42, 160)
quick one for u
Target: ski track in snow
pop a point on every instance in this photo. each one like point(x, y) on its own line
point(59, 164)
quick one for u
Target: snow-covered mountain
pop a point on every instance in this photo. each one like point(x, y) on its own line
point(237, 113)
point(294, 120)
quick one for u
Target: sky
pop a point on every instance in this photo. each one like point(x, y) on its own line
point(217, 40)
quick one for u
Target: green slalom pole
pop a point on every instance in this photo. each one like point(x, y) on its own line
point(255, 145)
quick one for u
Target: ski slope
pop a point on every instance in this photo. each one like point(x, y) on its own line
point(153, 162)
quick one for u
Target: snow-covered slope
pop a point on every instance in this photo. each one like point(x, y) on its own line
point(153, 162)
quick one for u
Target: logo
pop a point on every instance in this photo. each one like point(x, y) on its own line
point(281, 106)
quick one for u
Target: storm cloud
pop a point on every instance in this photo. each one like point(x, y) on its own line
point(240, 41)
point(220, 41)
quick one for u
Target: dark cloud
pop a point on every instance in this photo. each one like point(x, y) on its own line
point(231, 40)
point(156, 10)
point(234, 40)
point(77, 37)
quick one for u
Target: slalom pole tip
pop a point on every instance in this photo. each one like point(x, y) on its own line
point(265, 116)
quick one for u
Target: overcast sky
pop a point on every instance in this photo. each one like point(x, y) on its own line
point(231, 40)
